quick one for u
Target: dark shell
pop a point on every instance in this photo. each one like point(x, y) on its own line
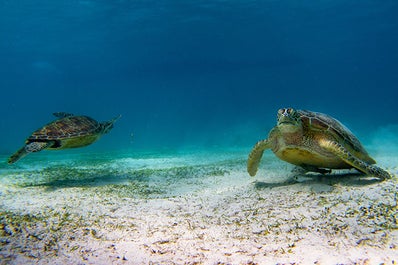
point(68, 127)
point(324, 123)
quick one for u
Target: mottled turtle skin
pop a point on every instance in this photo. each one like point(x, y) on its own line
point(316, 142)
point(68, 131)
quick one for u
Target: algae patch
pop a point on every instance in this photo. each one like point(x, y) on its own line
point(37, 235)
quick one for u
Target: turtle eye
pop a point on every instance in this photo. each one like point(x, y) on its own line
point(290, 110)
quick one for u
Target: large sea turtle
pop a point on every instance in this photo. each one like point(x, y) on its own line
point(68, 131)
point(315, 142)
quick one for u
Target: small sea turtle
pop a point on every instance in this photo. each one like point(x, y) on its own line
point(68, 131)
point(315, 142)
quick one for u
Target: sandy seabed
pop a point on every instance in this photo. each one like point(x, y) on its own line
point(192, 208)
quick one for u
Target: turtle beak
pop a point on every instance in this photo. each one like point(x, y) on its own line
point(286, 116)
point(286, 123)
point(285, 119)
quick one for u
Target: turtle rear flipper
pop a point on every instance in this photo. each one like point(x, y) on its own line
point(255, 156)
point(17, 155)
point(29, 148)
point(360, 165)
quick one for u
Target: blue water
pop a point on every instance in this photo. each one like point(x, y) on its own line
point(197, 83)
point(196, 74)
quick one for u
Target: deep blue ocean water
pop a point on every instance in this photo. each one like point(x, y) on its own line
point(197, 74)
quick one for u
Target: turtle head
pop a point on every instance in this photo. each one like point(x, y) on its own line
point(289, 120)
point(108, 125)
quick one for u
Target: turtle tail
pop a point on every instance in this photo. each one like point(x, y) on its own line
point(17, 155)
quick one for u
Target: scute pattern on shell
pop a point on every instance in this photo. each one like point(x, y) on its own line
point(67, 127)
point(319, 121)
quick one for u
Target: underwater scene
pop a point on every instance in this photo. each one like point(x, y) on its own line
point(198, 132)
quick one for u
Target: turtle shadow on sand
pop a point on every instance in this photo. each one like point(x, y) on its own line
point(135, 185)
point(83, 180)
point(126, 181)
point(329, 180)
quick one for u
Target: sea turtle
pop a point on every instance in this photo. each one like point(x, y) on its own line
point(316, 142)
point(68, 131)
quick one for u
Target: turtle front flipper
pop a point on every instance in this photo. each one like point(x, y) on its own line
point(360, 165)
point(29, 148)
point(255, 156)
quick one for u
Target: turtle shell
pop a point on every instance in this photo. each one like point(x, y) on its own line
point(322, 123)
point(65, 128)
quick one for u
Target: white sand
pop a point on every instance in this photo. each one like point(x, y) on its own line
point(211, 212)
